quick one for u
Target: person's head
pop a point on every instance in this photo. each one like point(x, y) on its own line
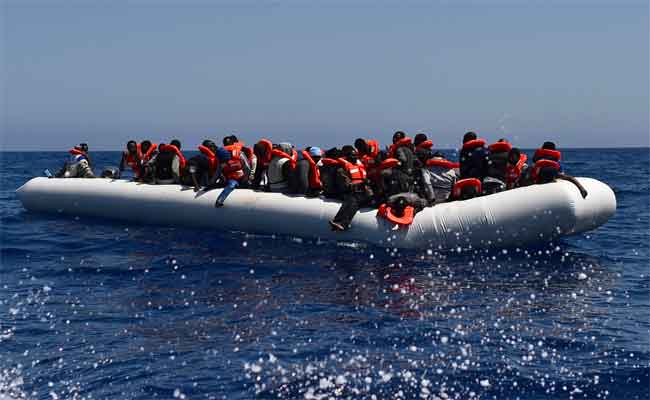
point(145, 145)
point(362, 146)
point(350, 153)
point(230, 140)
point(399, 205)
point(514, 155)
point(397, 136)
point(333, 153)
point(176, 143)
point(501, 140)
point(469, 136)
point(438, 154)
point(132, 147)
point(382, 155)
point(419, 138)
point(210, 145)
point(285, 147)
point(315, 152)
point(548, 146)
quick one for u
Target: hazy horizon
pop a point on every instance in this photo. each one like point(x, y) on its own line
point(572, 72)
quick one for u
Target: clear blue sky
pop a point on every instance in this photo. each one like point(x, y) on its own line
point(323, 73)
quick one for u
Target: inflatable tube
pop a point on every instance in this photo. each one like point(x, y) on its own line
point(518, 217)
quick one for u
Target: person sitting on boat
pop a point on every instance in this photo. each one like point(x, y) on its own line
point(403, 174)
point(497, 168)
point(400, 208)
point(148, 151)
point(166, 166)
point(474, 157)
point(351, 177)
point(423, 148)
point(263, 151)
point(135, 156)
point(517, 168)
point(546, 168)
point(441, 175)
point(234, 170)
point(328, 166)
point(305, 178)
point(77, 165)
point(200, 169)
point(283, 161)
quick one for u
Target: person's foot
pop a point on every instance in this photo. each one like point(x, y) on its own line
point(337, 226)
point(218, 204)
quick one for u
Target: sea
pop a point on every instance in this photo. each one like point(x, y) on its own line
point(97, 309)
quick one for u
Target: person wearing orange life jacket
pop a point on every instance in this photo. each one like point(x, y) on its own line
point(233, 168)
point(351, 177)
point(439, 176)
point(328, 167)
point(78, 164)
point(423, 148)
point(263, 151)
point(516, 169)
point(232, 140)
point(283, 162)
point(474, 157)
point(546, 168)
point(167, 166)
point(132, 157)
point(305, 178)
point(202, 167)
point(403, 175)
point(401, 208)
point(495, 176)
point(148, 150)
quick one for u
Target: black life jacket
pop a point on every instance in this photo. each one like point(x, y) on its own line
point(164, 161)
point(328, 169)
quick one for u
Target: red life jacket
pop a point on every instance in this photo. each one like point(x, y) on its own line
point(374, 168)
point(540, 164)
point(268, 154)
point(385, 211)
point(427, 144)
point(77, 152)
point(463, 183)
point(472, 144)
point(174, 149)
point(293, 158)
point(133, 162)
point(248, 152)
point(513, 172)
point(233, 168)
point(329, 161)
point(147, 156)
point(500, 147)
point(547, 154)
point(402, 142)
point(213, 161)
point(314, 172)
point(373, 147)
point(441, 162)
point(356, 172)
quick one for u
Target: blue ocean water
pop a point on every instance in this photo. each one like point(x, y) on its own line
point(97, 309)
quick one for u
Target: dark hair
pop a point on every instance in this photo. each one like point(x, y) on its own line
point(419, 138)
point(361, 145)
point(176, 143)
point(438, 154)
point(145, 143)
point(399, 135)
point(132, 144)
point(548, 146)
point(333, 153)
point(469, 136)
point(230, 140)
point(348, 150)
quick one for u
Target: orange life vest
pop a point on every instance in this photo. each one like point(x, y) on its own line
point(385, 211)
point(357, 172)
point(540, 164)
point(500, 147)
point(174, 149)
point(293, 158)
point(314, 172)
point(133, 162)
point(513, 172)
point(427, 144)
point(437, 162)
point(268, 154)
point(373, 147)
point(77, 152)
point(213, 161)
point(463, 183)
point(547, 154)
point(233, 168)
point(472, 144)
point(402, 142)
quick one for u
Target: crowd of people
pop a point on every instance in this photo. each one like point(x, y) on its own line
point(399, 181)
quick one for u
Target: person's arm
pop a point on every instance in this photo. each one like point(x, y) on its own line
point(246, 168)
point(573, 180)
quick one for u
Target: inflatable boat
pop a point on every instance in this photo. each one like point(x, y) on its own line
point(518, 217)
